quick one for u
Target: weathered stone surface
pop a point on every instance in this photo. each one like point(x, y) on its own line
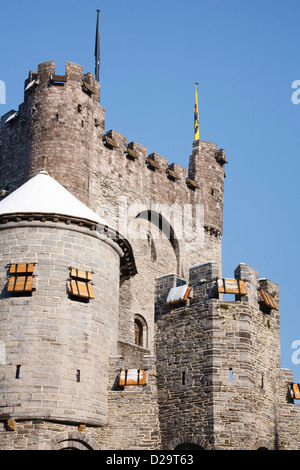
point(212, 365)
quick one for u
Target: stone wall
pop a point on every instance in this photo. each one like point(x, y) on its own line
point(133, 420)
point(132, 416)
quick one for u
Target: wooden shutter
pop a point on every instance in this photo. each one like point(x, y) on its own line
point(152, 163)
point(178, 294)
point(90, 291)
point(79, 289)
point(132, 153)
point(132, 377)
point(296, 391)
point(122, 378)
point(172, 174)
point(88, 87)
point(267, 299)
point(22, 268)
point(79, 274)
point(21, 278)
point(192, 183)
point(110, 141)
point(80, 285)
point(231, 286)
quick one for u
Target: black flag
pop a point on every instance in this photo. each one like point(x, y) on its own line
point(97, 49)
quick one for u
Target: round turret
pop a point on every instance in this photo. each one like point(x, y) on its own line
point(59, 282)
point(60, 117)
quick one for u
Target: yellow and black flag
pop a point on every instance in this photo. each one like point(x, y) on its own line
point(196, 116)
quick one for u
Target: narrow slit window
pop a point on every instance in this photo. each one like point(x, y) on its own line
point(18, 371)
point(183, 378)
point(78, 375)
point(230, 375)
point(262, 380)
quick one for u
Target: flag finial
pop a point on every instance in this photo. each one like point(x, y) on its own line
point(44, 169)
point(97, 49)
point(196, 115)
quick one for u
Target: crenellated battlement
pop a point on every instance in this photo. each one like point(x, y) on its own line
point(159, 164)
point(46, 77)
point(205, 283)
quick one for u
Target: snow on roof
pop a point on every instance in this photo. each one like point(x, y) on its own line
point(43, 194)
point(178, 294)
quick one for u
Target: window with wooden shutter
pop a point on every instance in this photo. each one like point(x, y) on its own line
point(172, 174)
point(21, 278)
point(132, 154)
point(296, 391)
point(132, 377)
point(110, 142)
point(231, 286)
point(80, 284)
point(178, 294)
point(267, 299)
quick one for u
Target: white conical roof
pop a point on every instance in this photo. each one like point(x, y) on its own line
point(44, 195)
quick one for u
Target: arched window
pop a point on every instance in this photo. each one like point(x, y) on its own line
point(140, 331)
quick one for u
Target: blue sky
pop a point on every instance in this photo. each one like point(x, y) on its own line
point(244, 54)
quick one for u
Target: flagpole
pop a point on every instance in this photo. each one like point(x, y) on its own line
point(196, 116)
point(97, 49)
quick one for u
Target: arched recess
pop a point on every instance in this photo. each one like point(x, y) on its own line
point(72, 440)
point(162, 225)
point(156, 252)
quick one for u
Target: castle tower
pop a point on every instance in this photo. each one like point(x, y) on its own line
point(61, 118)
point(59, 283)
point(218, 360)
point(171, 215)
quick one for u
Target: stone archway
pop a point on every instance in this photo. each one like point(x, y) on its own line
point(71, 440)
point(262, 444)
point(189, 443)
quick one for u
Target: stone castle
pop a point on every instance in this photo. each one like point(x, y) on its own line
point(117, 328)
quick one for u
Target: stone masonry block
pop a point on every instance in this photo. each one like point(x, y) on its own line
point(250, 276)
